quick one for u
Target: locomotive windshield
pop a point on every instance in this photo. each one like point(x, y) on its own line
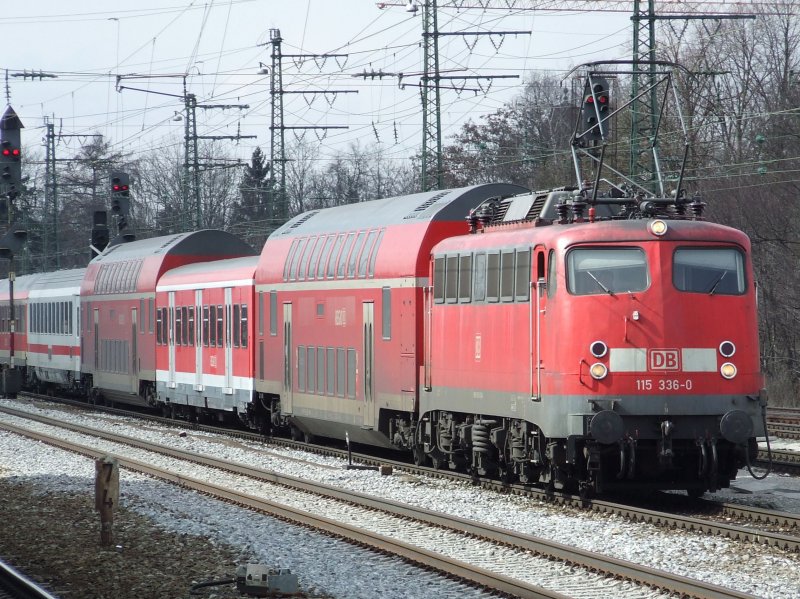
point(593, 271)
point(709, 270)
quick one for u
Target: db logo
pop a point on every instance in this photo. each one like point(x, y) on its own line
point(663, 359)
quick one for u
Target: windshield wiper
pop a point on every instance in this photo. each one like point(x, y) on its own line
point(717, 282)
point(596, 280)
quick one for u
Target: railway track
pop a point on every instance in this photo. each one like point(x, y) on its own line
point(494, 558)
point(784, 422)
point(724, 519)
point(14, 585)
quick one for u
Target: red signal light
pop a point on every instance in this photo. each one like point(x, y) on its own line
point(15, 152)
point(6, 152)
point(116, 188)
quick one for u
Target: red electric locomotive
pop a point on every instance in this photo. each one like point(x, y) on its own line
point(602, 353)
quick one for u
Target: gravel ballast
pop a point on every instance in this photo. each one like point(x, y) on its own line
point(764, 572)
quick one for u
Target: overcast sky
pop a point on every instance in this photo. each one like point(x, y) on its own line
point(220, 44)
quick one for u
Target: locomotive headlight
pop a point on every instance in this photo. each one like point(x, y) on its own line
point(727, 349)
point(598, 371)
point(658, 227)
point(727, 370)
point(598, 349)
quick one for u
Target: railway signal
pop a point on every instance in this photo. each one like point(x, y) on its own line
point(595, 110)
point(10, 153)
point(13, 241)
point(120, 197)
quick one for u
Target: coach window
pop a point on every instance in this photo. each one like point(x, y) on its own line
point(320, 370)
point(330, 271)
point(301, 368)
point(374, 254)
point(288, 262)
point(523, 275)
point(185, 324)
point(260, 313)
point(341, 373)
point(324, 256)
point(273, 313)
point(178, 328)
point(296, 258)
point(314, 259)
point(331, 370)
point(312, 242)
point(363, 260)
point(348, 245)
point(142, 316)
point(507, 275)
point(237, 324)
point(451, 280)
point(220, 323)
point(243, 335)
point(312, 369)
point(551, 274)
point(386, 313)
point(211, 333)
point(438, 279)
point(714, 271)
point(351, 373)
point(465, 278)
point(159, 334)
point(150, 305)
point(358, 248)
point(191, 326)
point(593, 271)
point(493, 277)
point(206, 318)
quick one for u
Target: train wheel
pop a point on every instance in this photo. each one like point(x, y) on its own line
point(438, 460)
point(418, 455)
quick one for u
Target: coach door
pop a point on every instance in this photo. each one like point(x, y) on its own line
point(538, 298)
point(288, 363)
point(96, 328)
point(134, 352)
point(228, 340)
point(171, 340)
point(198, 340)
point(369, 362)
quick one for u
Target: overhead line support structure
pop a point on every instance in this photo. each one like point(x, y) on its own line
point(278, 207)
point(644, 108)
point(190, 186)
point(432, 163)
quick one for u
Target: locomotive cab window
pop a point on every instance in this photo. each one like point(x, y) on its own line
point(592, 271)
point(715, 271)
